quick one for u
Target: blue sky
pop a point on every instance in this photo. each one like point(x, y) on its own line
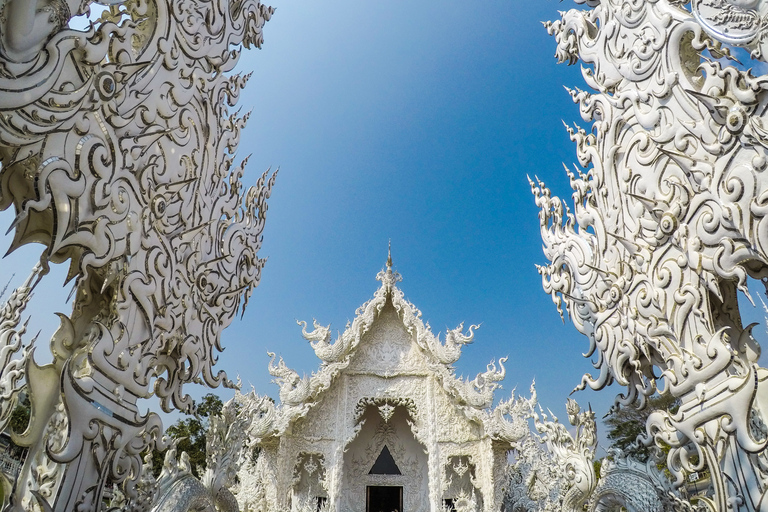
point(416, 122)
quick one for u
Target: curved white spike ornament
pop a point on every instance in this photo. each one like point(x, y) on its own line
point(117, 151)
point(552, 469)
point(669, 220)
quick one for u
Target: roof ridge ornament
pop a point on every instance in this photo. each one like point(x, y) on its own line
point(387, 277)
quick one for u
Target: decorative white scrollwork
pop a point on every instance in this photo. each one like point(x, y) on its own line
point(737, 22)
point(386, 407)
point(12, 368)
point(385, 382)
point(177, 490)
point(668, 223)
point(518, 410)
point(635, 487)
point(553, 470)
point(117, 150)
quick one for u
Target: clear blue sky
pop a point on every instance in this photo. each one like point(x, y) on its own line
point(415, 122)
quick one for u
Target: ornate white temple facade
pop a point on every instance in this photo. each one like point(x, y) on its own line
point(384, 424)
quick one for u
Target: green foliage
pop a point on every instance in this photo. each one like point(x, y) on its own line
point(210, 406)
point(597, 465)
point(623, 426)
point(190, 435)
point(20, 416)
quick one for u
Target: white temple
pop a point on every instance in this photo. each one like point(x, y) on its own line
point(117, 153)
point(384, 424)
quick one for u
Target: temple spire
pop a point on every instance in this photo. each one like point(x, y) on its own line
point(387, 277)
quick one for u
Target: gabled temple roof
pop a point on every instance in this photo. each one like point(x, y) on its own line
point(299, 394)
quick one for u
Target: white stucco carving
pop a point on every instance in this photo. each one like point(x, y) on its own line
point(552, 469)
point(176, 489)
point(668, 223)
point(13, 354)
point(637, 487)
point(117, 153)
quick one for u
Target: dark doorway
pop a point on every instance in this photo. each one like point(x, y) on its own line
point(384, 499)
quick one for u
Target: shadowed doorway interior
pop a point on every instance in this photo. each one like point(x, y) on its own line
point(384, 499)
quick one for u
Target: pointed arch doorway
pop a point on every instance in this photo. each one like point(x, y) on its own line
point(385, 466)
point(384, 498)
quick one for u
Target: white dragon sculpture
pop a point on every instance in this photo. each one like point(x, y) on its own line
point(552, 470)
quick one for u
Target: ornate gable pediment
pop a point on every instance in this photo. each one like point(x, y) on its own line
point(402, 326)
point(387, 338)
point(386, 353)
point(388, 348)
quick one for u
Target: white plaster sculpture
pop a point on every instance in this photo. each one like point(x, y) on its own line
point(627, 484)
point(387, 381)
point(117, 151)
point(574, 454)
point(13, 354)
point(552, 469)
point(668, 222)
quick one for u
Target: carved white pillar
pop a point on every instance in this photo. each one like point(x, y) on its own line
point(486, 475)
point(433, 448)
point(342, 429)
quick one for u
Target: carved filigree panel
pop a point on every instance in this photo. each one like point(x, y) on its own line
point(320, 420)
point(668, 224)
point(308, 481)
point(118, 154)
point(386, 381)
point(452, 425)
point(388, 348)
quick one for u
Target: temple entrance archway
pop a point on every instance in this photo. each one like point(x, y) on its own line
point(385, 466)
point(384, 424)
